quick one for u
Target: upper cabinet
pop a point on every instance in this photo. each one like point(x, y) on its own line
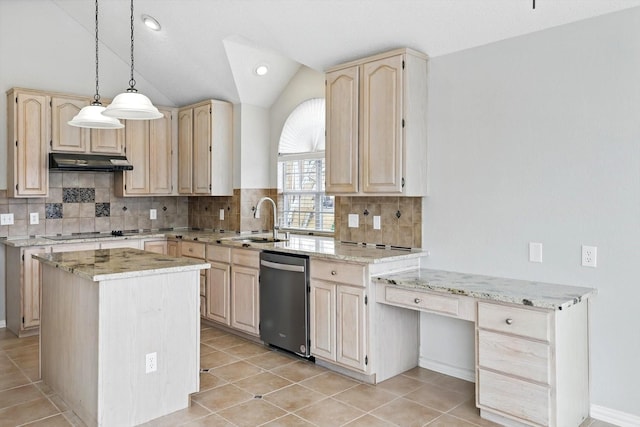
point(150, 145)
point(376, 112)
point(67, 138)
point(205, 149)
point(28, 133)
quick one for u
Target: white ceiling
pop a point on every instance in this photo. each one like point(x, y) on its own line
point(208, 48)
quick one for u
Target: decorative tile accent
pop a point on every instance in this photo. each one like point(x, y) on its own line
point(53, 210)
point(78, 195)
point(103, 209)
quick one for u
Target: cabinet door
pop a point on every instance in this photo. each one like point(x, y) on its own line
point(342, 130)
point(157, 246)
point(218, 292)
point(323, 320)
point(202, 149)
point(30, 174)
point(137, 149)
point(351, 327)
point(65, 137)
point(244, 299)
point(160, 146)
point(185, 151)
point(382, 133)
point(31, 288)
point(173, 248)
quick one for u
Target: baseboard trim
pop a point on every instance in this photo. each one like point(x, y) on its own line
point(613, 416)
point(443, 368)
point(3, 323)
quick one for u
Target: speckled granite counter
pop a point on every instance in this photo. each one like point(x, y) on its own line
point(107, 264)
point(533, 294)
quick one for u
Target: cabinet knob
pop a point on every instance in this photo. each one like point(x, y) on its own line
point(333, 272)
point(190, 250)
point(417, 300)
point(509, 321)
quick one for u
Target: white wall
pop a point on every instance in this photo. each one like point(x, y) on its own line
point(251, 147)
point(32, 56)
point(537, 138)
point(305, 84)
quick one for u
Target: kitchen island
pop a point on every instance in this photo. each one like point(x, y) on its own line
point(120, 333)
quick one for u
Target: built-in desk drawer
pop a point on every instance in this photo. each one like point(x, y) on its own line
point(421, 300)
point(342, 272)
point(515, 356)
point(513, 320)
point(525, 400)
point(192, 249)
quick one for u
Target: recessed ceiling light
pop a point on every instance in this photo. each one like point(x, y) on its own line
point(261, 69)
point(151, 22)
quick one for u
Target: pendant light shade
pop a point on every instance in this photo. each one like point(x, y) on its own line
point(132, 105)
point(91, 116)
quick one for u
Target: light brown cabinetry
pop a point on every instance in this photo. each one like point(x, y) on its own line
point(245, 290)
point(67, 138)
point(28, 133)
point(205, 149)
point(197, 250)
point(532, 365)
point(339, 313)
point(219, 284)
point(149, 147)
point(376, 125)
point(157, 246)
point(173, 248)
point(23, 289)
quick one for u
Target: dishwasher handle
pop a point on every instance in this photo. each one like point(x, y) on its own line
point(286, 267)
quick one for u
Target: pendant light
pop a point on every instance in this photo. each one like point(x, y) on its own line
point(91, 116)
point(132, 105)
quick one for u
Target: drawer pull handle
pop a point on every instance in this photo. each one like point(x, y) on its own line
point(333, 272)
point(190, 249)
point(509, 321)
point(417, 300)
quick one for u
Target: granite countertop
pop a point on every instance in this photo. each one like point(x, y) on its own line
point(315, 246)
point(107, 264)
point(533, 294)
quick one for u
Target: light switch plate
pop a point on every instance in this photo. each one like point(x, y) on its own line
point(34, 218)
point(376, 222)
point(535, 252)
point(221, 214)
point(153, 214)
point(6, 219)
point(353, 220)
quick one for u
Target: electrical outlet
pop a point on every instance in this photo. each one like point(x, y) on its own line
point(376, 222)
point(353, 220)
point(535, 252)
point(589, 256)
point(221, 214)
point(6, 219)
point(153, 214)
point(151, 362)
point(34, 218)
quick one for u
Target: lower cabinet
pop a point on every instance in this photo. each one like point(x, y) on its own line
point(219, 284)
point(245, 290)
point(196, 250)
point(173, 248)
point(339, 313)
point(157, 246)
point(532, 365)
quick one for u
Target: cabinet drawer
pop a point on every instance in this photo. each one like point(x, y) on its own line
point(352, 274)
point(514, 397)
point(516, 356)
point(245, 257)
point(218, 254)
point(192, 249)
point(514, 320)
point(421, 300)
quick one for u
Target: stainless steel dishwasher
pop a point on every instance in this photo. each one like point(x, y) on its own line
point(284, 301)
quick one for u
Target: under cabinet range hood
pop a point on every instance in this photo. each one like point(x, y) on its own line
point(88, 162)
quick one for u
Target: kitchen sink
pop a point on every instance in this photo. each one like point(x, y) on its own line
point(256, 239)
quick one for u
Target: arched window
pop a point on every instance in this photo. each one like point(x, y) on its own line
point(301, 163)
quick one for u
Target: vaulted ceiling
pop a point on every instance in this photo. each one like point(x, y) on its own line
point(209, 48)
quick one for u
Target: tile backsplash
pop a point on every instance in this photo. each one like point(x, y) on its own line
point(83, 202)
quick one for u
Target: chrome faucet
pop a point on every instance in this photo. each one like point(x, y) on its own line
point(256, 214)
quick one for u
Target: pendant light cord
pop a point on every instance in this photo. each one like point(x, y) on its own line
point(132, 82)
point(96, 97)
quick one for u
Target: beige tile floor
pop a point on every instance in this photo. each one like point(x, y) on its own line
point(246, 384)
